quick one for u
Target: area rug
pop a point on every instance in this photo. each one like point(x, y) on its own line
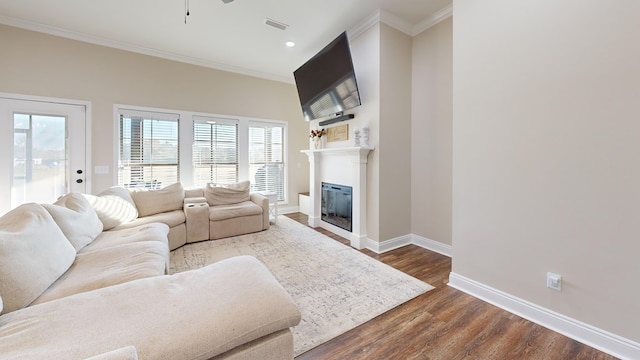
point(335, 287)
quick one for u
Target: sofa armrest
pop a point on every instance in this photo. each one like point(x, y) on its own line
point(196, 314)
point(196, 220)
point(263, 202)
point(197, 192)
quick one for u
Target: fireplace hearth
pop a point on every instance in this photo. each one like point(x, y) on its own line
point(336, 205)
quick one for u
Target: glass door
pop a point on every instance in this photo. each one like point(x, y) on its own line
point(43, 151)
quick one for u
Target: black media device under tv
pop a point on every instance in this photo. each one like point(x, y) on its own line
point(327, 83)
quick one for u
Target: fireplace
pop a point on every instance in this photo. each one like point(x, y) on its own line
point(336, 205)
point(338, 165)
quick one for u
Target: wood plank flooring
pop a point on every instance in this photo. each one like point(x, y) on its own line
point(444, 323)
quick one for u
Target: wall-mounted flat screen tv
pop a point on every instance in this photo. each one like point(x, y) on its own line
point(327, 83)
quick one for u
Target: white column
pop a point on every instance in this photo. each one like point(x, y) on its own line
point(315, 189)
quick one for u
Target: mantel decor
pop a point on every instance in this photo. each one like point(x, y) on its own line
point(316, 136)
point(338, 133)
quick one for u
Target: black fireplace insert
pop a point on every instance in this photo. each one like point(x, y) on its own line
point(336, 205)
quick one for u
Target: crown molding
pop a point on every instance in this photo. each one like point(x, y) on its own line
point(396, 22)
point(381, 16)
point(434, 19)
point(364, 25)
point(96, 40)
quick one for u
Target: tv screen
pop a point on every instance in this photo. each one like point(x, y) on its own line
point(327, 83)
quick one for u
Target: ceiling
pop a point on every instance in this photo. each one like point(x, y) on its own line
point(231, 37)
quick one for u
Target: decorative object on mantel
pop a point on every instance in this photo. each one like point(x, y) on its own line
point(316, 135)
point(356, 137)
point(365, 135)
point(338, 133)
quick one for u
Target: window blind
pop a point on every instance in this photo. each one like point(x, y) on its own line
point(266, 158)
point(215, 151)
point(149, 150)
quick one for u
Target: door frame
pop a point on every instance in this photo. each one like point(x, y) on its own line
point(87, 128)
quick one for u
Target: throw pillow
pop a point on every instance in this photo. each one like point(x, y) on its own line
point(227, 194)
point(114, 206)
point(34, 253)
point(150, 202)
point(77, 219)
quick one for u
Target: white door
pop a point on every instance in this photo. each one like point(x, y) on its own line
point(42, 151)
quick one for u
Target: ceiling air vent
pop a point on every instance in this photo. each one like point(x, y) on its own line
point(276, 24)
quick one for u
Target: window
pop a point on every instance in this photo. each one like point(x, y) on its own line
point(215, 151)
point(149, 150)
point(159, 147)
point(266, 158)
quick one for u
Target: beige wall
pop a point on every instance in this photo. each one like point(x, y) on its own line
point(365, 50)
point(431, 126)
point(44, 65)
point(394, 145)
point(546, 156)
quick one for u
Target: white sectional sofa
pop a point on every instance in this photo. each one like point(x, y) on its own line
point(230, 210)
point(70, 290)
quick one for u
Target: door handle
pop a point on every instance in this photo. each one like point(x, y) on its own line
point(78, 171)
point(79, 181)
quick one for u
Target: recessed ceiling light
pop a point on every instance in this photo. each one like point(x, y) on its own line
point(290, 44)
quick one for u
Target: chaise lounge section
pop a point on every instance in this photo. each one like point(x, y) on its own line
point(71, 290)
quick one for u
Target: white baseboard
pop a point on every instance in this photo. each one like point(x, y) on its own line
point(388, 245)
point(289, 209)
point(440, 248)
point(411, 239)
point(597, 338)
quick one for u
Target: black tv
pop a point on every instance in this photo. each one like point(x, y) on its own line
point(327, 83)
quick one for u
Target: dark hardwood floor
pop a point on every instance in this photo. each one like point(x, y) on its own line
point(444, 323)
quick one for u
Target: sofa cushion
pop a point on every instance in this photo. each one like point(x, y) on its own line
point(147, 232)
point(77, 219)
point(114, 206)
point(151, 202)
point(110, 266)
point(33, 254)
point(196, 314)
point(171, 218)
point(227, 194)
point(223, 212)
point(123, 353)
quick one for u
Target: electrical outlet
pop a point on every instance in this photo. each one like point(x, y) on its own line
point(554, 281)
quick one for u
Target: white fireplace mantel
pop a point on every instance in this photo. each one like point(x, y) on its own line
point(344, 166)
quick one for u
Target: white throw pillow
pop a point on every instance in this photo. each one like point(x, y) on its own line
point(77, 219)
point(34, 253)
point(150, 202)
point(227, 194)
point(114, 206)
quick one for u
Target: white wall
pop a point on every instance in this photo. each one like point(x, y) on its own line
point(431, 126)
point(44, 65)
point(546, 155)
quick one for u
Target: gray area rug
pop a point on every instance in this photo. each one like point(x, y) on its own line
point(335, 287)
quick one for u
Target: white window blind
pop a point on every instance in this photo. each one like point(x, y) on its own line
point(149, 150)
point(266, 158)
point(215, 151)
